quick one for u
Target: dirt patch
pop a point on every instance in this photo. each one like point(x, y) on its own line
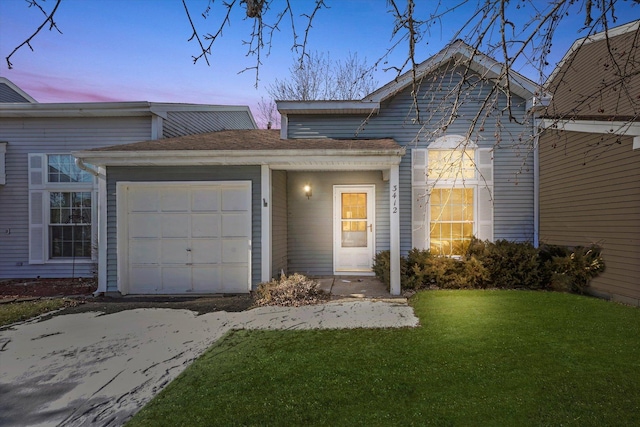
point(80, 293)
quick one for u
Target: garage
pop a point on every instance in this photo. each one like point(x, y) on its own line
point(184, 237)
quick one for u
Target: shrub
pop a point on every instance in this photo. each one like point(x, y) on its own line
point(503, 264)
point(571, 269)
point(512, 265)
point(293, 291)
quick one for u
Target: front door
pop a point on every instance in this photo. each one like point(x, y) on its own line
point(353, 228)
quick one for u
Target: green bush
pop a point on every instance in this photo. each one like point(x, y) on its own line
point(512, 265)
point(503, 264)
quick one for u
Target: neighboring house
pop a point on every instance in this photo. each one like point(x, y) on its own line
point(590, 156)
point(343, 180)
point(49, 207)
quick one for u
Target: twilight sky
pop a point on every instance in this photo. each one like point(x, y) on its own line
point(138, 50)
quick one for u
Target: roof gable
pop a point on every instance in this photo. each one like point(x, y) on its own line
point(11, 93)
point(464, 55)
point(599, 77)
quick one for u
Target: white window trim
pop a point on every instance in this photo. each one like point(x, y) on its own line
point(420, 186)
point(44, 188)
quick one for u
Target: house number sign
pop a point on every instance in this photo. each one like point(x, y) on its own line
point(394, 196)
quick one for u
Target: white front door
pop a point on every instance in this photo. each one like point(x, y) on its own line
point(353, 228)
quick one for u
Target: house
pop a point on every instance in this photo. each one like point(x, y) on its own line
point(590, 157)
point(49, 207)
point(341, 181)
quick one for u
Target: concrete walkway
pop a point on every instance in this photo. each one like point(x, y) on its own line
point(94, 369)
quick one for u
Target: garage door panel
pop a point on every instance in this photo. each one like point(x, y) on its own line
point(205, 225)
point(206, 279)
point(175, 201)
point(144, 251)
point(174, 251)
point(176, 279)
point(143, 200)
point(235, 251)
point(235, 225)
point(232, 279)
point(175, 225)
point(144, 225)
point(187, 237)
point(147, 279)
point(235, 199)
point(205, 200)
point(206, 251)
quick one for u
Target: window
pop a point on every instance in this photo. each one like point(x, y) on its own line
point(452, 195)
point(450, 220)
point(70, 224)
point(61, 209)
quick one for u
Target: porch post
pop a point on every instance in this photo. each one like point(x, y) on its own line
point(265, 180)
point(394, 228)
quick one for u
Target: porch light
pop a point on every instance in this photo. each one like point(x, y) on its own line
point(307, 190)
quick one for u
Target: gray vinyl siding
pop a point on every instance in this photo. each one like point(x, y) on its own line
point(590, 193)
point(310, 221)
point(48, 135)
point(513, 163)
point(7, 94)
point(177, 173)
point(180, 123)
point(278, 222)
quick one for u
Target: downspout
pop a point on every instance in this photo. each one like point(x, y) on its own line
point(102, 225)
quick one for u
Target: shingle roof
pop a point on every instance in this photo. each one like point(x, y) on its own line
point(255, 139)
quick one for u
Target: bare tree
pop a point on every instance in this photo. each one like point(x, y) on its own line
point(321, 78)
point(268, 115)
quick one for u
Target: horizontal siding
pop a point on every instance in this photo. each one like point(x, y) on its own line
point(279, 234)
point(195, 173)
point(48, 135)
point(513, 162)
point(180, 123)
point(310, 221)
point(590, 193)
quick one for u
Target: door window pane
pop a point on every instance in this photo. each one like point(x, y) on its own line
point(353, 211)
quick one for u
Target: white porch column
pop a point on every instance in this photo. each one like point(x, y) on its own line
point(265, 180)
point(394, 228)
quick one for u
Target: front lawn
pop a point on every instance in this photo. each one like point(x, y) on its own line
point(479, 358)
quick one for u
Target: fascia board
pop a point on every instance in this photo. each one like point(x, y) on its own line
point(93, 109)
point(593, 126)
point(303, 158)
point(327, 107)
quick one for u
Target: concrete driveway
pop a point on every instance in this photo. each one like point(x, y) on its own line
point(95, 369)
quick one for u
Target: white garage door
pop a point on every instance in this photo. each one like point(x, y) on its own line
point(187, 237)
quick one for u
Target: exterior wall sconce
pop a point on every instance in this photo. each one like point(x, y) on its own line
point(307, 191)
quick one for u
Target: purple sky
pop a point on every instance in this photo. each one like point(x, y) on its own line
point(137, 50)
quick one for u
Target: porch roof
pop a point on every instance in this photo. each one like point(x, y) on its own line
point(250, 147)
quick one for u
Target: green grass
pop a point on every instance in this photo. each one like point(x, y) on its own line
point(490, 358)
point(16, 311)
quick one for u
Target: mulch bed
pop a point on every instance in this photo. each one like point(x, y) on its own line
point(37, 288)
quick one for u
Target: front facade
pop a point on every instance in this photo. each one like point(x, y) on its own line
point(590, 157)
point(49, 209)
point(341, 181)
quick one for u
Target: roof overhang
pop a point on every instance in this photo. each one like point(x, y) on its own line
point(622, 128)
point(107, 109)
point(328, 107)
point(327, 159)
